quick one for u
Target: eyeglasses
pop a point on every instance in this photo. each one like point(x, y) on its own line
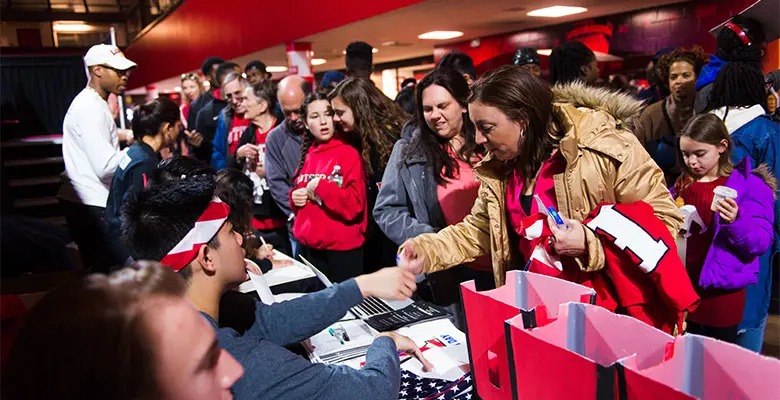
point(237, 97)
point(190, 76)
point(120, 72)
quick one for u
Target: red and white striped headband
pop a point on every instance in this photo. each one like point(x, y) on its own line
point(206, 227)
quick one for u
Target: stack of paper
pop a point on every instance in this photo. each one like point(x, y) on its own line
point(291, 273)
point(328, 349)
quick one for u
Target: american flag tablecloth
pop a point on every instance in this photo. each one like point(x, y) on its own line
point(415, 387)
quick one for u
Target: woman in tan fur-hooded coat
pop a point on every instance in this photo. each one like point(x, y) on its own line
point(571, 144)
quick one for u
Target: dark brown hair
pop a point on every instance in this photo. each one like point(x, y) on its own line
point(308, 139)
point(525, 99)
point(150, 117)
point(237, 191)
point(90, 340)
point(378, 120)
point(695, 56)
point(704, 128)
point(430, 144)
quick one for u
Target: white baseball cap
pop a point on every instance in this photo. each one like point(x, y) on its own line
point(106, 54)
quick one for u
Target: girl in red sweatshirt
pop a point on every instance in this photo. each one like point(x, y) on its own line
point(329, 197)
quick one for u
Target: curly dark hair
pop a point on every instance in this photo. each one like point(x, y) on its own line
point(378, 120)
point(694, 56)
point(430, 144)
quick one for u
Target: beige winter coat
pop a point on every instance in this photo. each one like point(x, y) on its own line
point(604, 163)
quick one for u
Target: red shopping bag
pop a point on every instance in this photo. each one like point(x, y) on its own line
point(533, 296)
point(576, 356)
point(704, 368)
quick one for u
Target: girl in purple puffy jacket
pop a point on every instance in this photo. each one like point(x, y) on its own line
point(722, 258)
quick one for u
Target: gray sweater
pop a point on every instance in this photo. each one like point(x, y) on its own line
point(282, 154)
point(273, 372)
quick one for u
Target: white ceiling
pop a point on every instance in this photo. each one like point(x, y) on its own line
point(475, 18)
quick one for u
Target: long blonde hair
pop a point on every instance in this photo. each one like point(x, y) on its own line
point(195, 78)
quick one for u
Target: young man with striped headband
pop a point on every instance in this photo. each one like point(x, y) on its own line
point(184, 226)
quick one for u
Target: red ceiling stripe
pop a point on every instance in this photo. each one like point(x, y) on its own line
point(232, 28)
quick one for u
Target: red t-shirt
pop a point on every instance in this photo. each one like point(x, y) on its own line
point(260, 138)
point(237, 128)
point(265, 223)
point(718, 307)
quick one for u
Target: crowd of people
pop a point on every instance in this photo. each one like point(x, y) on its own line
point(394, 199)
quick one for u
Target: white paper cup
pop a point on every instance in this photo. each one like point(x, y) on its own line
point(722, 192)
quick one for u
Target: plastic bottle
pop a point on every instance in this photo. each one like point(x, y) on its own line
point(336, 176)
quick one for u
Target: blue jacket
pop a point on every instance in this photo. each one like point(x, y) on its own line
point(220, 153)
point(704, 83)
point(408, 204)
point(709, 71)
point(130, 177)
point(758, 140)
point(273, 372)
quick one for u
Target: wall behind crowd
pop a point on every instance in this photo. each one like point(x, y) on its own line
point(635, 36)
point(37, 91)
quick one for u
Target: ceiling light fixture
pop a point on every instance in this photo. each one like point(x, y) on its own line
point(274, 68)
point(73, 28)
point(373, 50)
point(440, 35)
point(544, 52)
point(318, 61)
point(556, 11)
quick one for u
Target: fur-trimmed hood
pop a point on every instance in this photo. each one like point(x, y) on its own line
point(763, 172)
point(621, 106)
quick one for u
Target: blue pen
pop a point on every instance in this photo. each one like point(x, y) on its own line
point(556, 217)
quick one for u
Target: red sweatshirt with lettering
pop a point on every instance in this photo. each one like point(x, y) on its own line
point(338, 218)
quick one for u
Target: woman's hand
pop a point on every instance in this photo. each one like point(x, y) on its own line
point(728, 209)
point(248, 150)
point(265, 251)
point(195, 138)
point(300, 197)
point(410, 260)
point(569, 242)
point(407, 345)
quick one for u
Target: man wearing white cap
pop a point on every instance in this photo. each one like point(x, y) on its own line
point(90, 148)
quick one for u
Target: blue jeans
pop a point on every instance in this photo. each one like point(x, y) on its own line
point(752, 338)
point(295, 245)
